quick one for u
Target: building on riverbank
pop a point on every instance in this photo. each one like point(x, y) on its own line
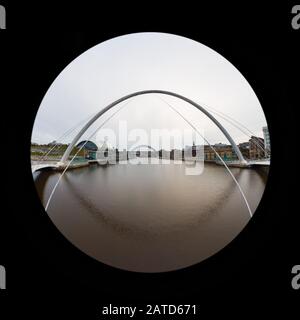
point(267, 141)
point(257, 150)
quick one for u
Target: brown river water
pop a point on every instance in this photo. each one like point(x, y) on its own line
point(150, 218)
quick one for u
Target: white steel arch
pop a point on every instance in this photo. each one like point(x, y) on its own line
point(65, 156)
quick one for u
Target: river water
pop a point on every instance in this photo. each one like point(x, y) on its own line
point(150, 218)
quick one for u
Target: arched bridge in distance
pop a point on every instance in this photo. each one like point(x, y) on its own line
point(143, 146)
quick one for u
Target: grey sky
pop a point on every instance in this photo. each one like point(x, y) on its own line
point(144, 61)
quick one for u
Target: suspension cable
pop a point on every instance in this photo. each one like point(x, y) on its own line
point(226, 115)
point(217, 154)
point(237, 124)
point(62, 137)
point(257, 143)
point(68, 165)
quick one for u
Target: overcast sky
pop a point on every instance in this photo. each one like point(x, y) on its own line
point(144, 61)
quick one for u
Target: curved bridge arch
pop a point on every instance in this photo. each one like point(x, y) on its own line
point(101, 112)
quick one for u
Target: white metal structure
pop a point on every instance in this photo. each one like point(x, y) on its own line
point(65, 156)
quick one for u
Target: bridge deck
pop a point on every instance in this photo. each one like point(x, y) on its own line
point(259, 162)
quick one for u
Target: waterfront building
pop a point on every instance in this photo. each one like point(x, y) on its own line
point(90, 149)
point(245, 149)
point(225, 151)
point(256, 149)
point(267, 141)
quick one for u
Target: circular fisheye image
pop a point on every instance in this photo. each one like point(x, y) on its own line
point(150, 152)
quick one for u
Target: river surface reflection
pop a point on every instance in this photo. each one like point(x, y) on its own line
point(150, 218)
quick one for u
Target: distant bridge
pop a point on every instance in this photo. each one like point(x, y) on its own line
point(137, 148)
